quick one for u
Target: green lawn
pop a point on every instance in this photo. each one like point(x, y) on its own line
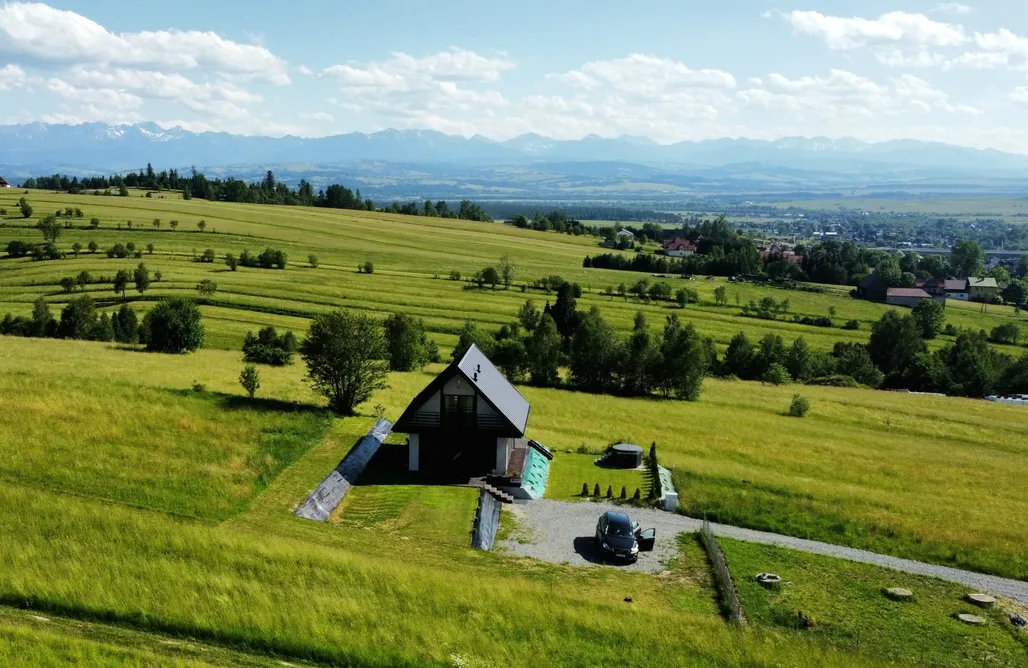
point(568, 471)
point(848, 608)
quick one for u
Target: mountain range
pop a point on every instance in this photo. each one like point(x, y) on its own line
point(403, 157)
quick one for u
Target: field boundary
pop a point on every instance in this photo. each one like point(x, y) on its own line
point(728, 595)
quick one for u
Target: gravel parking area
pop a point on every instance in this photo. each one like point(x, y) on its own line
point(564, 532)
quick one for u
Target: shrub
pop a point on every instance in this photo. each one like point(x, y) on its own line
point(454, 275)
point(610, 492)
point(799, 406)
point(250, 380)
point(776, 374)
point(369, 267)
point(638, 495)
point(268, 347)
point(312, 260)
point(207, 256)
point(585, 489)
point(206, 288)
point(624, 493)
point(93, 247)
point(231, 262)
point(94, 222)
point(174, 326)
point(1008, 333)
point(852, 324)
point(596, 490)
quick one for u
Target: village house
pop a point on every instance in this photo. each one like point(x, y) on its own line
point(4, 183)
point(625, 235)
point(678, 247)
point(468, 424)
point(983, 289)
point(910, 297)
point(957, 289)
point(872, 288)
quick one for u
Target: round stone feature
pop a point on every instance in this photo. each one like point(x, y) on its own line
point(984, 600)
point(899, 594)
point(769, 579)
point(973, 620)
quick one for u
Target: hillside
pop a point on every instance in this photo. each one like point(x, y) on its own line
point(148, 502)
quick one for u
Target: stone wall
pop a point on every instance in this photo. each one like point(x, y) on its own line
point(487, 522)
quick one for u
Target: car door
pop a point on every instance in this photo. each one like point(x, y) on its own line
point(646, 539)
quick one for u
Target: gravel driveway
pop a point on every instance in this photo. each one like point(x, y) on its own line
point(563, 532)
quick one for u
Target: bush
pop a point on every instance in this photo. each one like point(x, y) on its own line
point(369, 268)
point(852, 324)
point(250, 380)
point(19, 248)
point(207, 256)
point(776, 374)
point(799, 406)
point(312, 260)
point(174, 326)
point(231, 262)
point(585, 489)
point(454, 275)
point(1008, 333)
point(268, 347)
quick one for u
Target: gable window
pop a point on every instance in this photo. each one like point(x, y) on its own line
point(459, 410)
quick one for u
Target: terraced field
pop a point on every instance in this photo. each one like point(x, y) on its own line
point(412, 257)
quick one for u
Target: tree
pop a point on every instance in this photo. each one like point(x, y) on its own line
point(776, 374)
point(681, 296)
point(798, 361)
point(930, 317)
point(739, 357)
point(157, 223)
point(596, 354)
point(141, 277)
point(208, 255)
point(121, 280)
point(471, 335)
point(344, 352)
point(565, 311)
point(770, 351)
point(83, 279)
point(93, 247)
point(974, 368)
point(150, 248)
point(250, 380)
point(173, 224)
point(369, 267)
point(50, 228)
point(529, 316)
point(854, 360)
point(543, 349)
point(642, 360)
point(76, 248)
point(507, 271)
point(231, 262)
point(78, 319)
point(68, 283)
point(126, 325)
point(312, 260)
point(174, 326)
point(721, 295)
point(966, 259)
point(511, 358)
point(491, 276)
point(201, 225)
point(206, 288)
point(406, 342)
point(1016, 293)
point(683, 361)
point(895, 339)
point(1007, 333)
point(25, 207)
point(43, 323)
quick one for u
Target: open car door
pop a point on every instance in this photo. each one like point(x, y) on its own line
point(646, 539)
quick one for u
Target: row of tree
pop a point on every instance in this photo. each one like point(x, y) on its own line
point(172, 326)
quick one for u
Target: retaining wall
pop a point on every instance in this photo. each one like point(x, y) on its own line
point(487, 522)
point(323, 500)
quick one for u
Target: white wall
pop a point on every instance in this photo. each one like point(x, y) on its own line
point(414, 453)
point(503, 448)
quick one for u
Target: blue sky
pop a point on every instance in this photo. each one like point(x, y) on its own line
point(669, 71)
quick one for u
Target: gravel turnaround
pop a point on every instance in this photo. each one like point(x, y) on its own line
point(563, 532)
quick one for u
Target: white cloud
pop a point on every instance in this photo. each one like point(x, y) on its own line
point(304, 70)
point(1020, 94)
point(1002, 49)
point(403, 71)
point(897, 27)
point(646, 75)
point(48, 35)
point(954, 8)
point(319, 116)
point(11, 76)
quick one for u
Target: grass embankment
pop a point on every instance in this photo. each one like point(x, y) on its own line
point(398, 594)
point(412, 256)
point(847, 606)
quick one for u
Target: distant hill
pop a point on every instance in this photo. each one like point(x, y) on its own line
point(526, 165)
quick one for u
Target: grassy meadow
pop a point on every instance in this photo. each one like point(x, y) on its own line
point(139, 512)
point(412, 257)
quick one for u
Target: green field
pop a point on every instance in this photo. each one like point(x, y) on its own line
point(412, 257)
point(139, 510)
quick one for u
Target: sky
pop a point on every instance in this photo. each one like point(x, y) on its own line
point(669, 71)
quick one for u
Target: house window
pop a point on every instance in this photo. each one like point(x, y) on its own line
point(458, 409)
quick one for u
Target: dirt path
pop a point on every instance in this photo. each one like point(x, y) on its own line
point(563, 532)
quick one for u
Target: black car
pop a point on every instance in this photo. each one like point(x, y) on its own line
point(620, 538)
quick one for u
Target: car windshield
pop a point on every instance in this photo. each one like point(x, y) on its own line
point(617, 529)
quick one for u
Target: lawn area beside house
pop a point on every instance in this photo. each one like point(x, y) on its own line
point(569, 470)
